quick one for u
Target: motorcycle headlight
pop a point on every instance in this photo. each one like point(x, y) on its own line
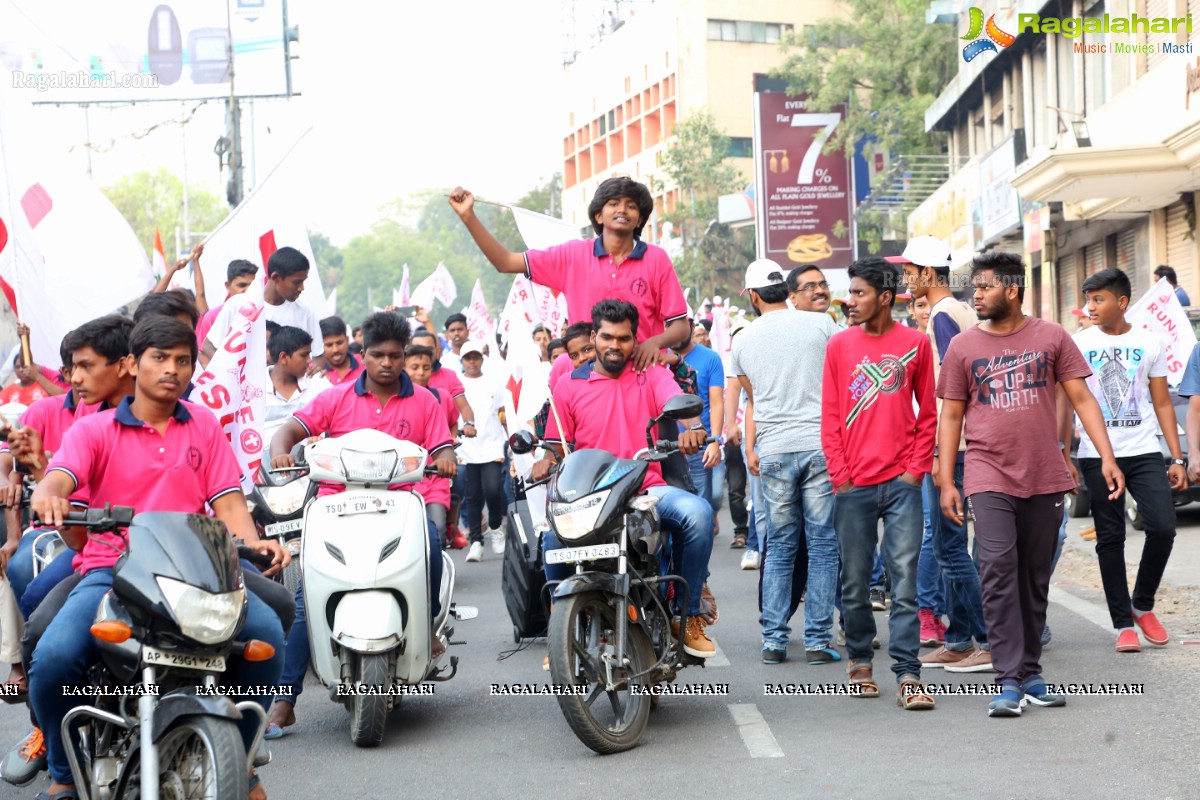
point(286, 499)
point(204, 617)
point(368, 467)
point(573, 521)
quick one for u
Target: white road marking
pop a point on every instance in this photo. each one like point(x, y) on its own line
point(718, 658)
point(1092, 612)
point(755, 732)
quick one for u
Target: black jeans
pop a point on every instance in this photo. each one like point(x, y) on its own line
point(486, 482)
point(1146, 480)
point(735, 482)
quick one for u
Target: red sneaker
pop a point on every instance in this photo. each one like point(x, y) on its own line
point(458, 539)
point(1127, 642)
point(1154, 632)
point(930, 637)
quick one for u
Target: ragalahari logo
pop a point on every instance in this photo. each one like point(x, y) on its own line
point(996, 38)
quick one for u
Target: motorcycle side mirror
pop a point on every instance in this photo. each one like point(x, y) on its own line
point(683, 406)
point(523, 442)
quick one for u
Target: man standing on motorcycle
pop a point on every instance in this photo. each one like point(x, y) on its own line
point(605, 404)
point(383, 398)
point(156, 453)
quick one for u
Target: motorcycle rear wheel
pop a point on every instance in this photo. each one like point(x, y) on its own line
point(581, 626)
point(200, 758)
point(368, 713)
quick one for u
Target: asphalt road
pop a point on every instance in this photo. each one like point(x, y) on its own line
point(462, 742)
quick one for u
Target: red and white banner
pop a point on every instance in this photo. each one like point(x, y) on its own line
point(1160, 312)
point(66, 254)
point(479, 322)
point(402, 295)
point(269, 218)
point(234, 384)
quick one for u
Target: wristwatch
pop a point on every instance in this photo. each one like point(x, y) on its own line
point(1178, 461)
point(469, 422)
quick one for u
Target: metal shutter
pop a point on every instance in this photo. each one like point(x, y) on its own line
point(1181, 246)
point(1068, 291)
point(1126, 255)
point(1093, 258)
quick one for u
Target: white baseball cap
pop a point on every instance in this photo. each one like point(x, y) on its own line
point(924, 251)
point(763, 272)
point(471, 347)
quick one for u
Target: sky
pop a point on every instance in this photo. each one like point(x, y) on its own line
point(401, 98)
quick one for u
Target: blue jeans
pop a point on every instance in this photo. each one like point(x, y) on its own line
point(688, 522)
point(859, 510)
point(964, 603)
point(796, 491)
point(756, 536)
point(709, 482)
point(930, 591)
point(50, 576)
point(66, 650)
point(297, 655)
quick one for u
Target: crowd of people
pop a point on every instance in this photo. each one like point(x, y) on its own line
point(817, 435)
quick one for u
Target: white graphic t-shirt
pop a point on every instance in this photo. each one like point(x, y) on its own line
point(1122, 367)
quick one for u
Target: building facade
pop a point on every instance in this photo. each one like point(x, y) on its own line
point(667, 61)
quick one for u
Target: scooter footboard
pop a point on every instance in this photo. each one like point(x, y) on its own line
point(368, 622)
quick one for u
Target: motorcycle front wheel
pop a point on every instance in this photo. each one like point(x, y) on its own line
point(368, 712)
point(582, 628)
point(199, 758)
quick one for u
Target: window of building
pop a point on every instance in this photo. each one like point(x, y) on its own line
point(725, 30)
point(1095, 70)
point(740, 147)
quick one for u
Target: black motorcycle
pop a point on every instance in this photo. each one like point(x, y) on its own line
point(610, 627)
point(277, 504)
point(156, 726)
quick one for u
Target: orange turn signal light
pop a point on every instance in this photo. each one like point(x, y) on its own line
point(258, 651)
point(633, 614)
point(112, 631)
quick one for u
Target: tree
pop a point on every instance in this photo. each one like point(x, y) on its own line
point(328, 258)
point(887, 65)
point(150, 200)
point(696, 162)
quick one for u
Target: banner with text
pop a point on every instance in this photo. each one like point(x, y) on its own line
point(1160, 312)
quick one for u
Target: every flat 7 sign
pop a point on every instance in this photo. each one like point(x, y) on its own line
point(804, 194)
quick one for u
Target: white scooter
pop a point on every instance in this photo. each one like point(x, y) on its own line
point(365, 566)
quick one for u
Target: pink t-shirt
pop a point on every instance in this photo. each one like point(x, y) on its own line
point(611, 414)
point(356, 369)
point(560, 367)
point(435, 489)
point(587, 274)
point(443, 378)
point(205, 324)
point(412, 414)
point(1010, 423)
point(114, 457)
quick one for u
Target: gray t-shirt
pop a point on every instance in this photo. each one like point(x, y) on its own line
point(783, 355)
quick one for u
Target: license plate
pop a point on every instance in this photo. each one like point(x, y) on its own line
point(280, 528)
point(570, 555)
point(361, 504)
point(165, 658)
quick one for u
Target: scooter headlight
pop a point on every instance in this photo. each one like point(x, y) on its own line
point(368, 467)
point(204, 617)
point(573, 521)
point(286, 499)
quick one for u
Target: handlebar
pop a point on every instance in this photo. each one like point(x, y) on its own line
point(663, 448)
point(108, 518)
point(261, 560)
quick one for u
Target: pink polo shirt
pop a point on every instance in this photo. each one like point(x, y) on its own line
point(435, 489)
point(114, 457)
point(443, 378)
point(52, 416)
point(611, 414)
point(412, 414)
point(586, 273)
point(356, 369)
point(562, 366)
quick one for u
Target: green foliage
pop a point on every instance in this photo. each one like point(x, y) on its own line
point(422, 230)
point(328, 258)
point(150, 200)
point(696, 161)
point(885, 62)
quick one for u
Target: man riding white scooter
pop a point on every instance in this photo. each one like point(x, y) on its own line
point(383, 398)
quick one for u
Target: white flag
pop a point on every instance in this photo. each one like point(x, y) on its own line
point(540, 231)
point(234, 384)
point(66, 254)
point(269, 218)
point(331, 304)
point(525, 392)
point(479, 322)
point(1159, 312)
point(443, 285)
point(403, 295)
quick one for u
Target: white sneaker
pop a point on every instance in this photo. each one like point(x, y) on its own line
point(475, 552)
point(496, 536)
point(751, 559)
